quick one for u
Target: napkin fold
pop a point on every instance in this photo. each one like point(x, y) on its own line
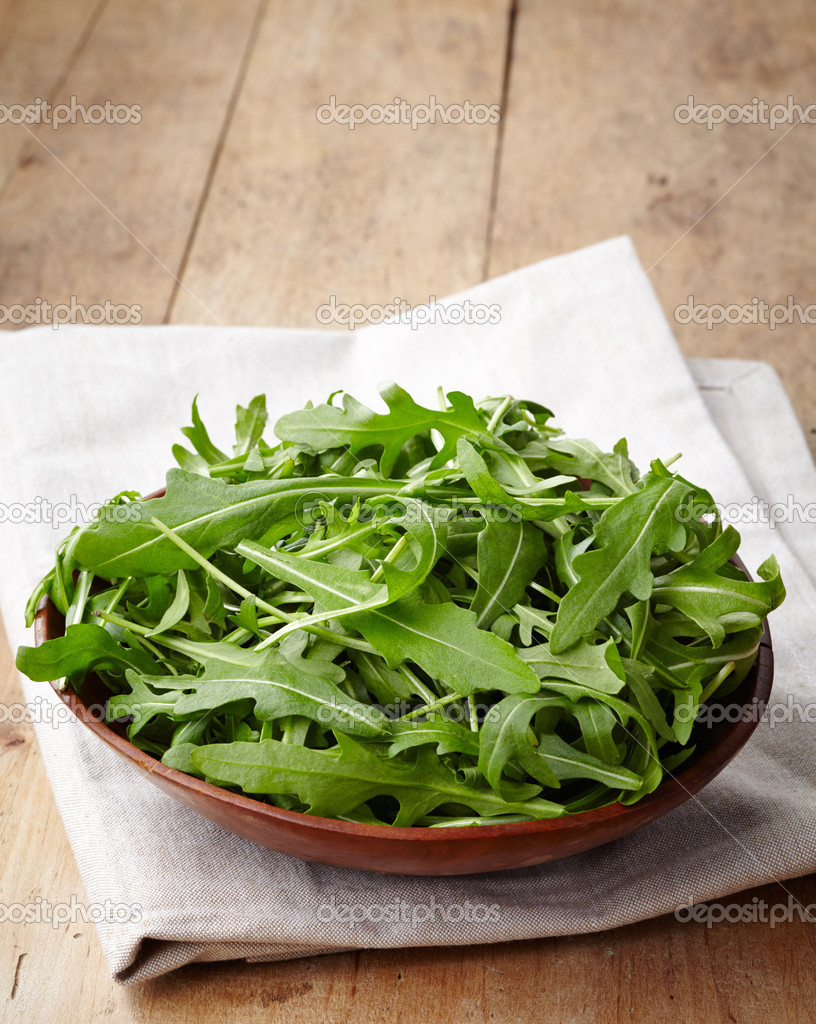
point(91, 411)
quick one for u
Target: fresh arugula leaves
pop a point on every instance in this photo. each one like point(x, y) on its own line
point(417, 617)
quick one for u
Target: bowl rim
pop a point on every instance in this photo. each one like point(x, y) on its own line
point(671, 792)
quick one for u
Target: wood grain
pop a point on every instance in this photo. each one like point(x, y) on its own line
point(103, 211)
point(39, 41)
point(592, 149)
point(300, 211)
point(236, 190)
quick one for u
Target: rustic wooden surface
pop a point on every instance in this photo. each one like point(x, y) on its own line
point(229, 203)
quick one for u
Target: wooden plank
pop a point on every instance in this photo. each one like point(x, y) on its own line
point(660, 971)
point(103, 213)
point(45, 972)
point(592, 150)
point(300, 210)
point(38, 43)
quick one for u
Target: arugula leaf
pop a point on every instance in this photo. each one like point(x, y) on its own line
point(178, 609)
point(449, 737)
point(627, 535)
point(583, 458)
point(84, 648)
point(142, 704)
point(595, 666)
point(678, 663)
point(247, 617)
point(249, 425)
point(541, 505)
point(340, 781)
point(387, 686)
point(446, 642)
point(717, 602)
point(504, 735)
point(358, 427)
point(597, 724)
point(197, 433)
point(553, 756)
point(207, 514)
point(641, 683)
point(344, 591)
point(509, 558)
point(277, 689)
point(311, 622)
point(443, 639)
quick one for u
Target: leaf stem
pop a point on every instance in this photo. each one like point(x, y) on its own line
point(440, 702)
point(391, 557)
point(276, 615)
point(77, 607)
point(217, 574)
point(472, 715)
point(339, 542)
point(546, 592)
point(120, 593)
point(717, 681)
point(495, 419)
point(421, 689)
point(158, 654)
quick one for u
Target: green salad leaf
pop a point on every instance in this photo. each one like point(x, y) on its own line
point(416, 617)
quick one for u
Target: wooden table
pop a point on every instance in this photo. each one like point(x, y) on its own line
point(229, 202)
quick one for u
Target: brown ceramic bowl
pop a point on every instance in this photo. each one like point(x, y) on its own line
point(427, 851)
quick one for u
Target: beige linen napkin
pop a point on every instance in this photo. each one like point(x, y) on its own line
point(92, 411)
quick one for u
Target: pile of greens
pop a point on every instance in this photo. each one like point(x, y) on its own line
point(426, 617)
